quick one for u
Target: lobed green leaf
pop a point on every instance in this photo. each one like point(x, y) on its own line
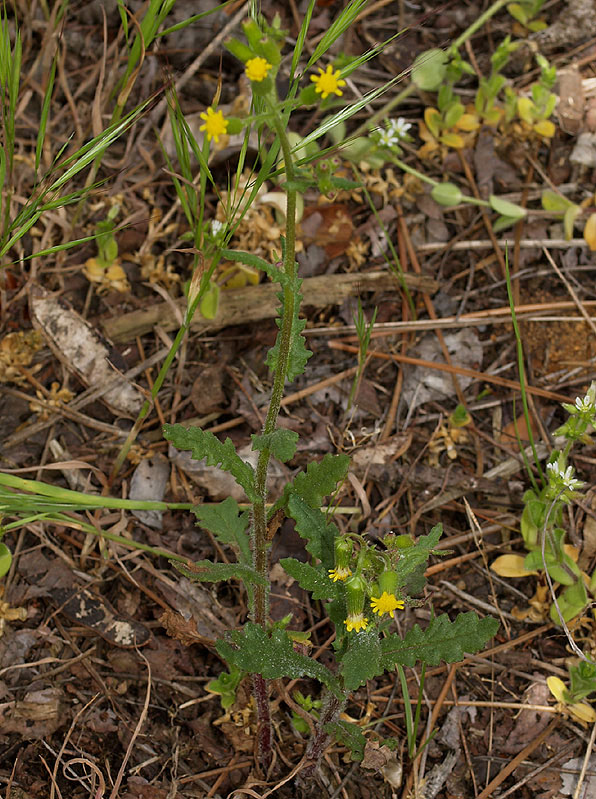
point(256, 651)
point(314, 580)
point(298, 354)
point(442, 640)
point(227, 524)
point(320, 479)
point(312, 525)
point(204, 571)
point(281, 443)
point(350, 735)
point(412, 558)
point(203, 444)
point(362, 659)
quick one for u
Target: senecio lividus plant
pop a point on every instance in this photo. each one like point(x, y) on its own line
point(362, 583)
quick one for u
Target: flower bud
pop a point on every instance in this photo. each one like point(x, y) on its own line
point(355, 592)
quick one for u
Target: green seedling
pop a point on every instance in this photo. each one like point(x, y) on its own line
point(485, 102)
point(226, 686)
point(535, 111)
point(582, 683)
point(105, 269)
point(308, 704)
point(526, 13)
point(542, 521)
point(364, 332)
point(444, 125)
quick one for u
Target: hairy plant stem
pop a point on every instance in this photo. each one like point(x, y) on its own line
point(260, 544)
point(332, 707)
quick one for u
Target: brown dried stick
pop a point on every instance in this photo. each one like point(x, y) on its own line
point(240, 306)
point(460, 370)
point(519, 758)
point(428, 303)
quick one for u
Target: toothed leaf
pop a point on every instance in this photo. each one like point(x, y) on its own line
point(204, 571)
point(312, 525)
point(255, 651)
point(314, 580)
point(204, 444)
point(281, 443)
point(442, 640)
point(227, 524)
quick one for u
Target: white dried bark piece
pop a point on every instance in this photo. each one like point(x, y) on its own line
point(217, 484)
point(149, 481)
point(84, 351)
point(423, 384)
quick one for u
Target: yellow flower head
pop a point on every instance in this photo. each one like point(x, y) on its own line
point(356, 622)
point(328, 82)
point(340, 573)
point(215, 124)
point(386, 603)
point(257, 69)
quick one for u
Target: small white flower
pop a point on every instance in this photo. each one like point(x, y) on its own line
point(588, 403)
point(564, 477)
point(216, 227)
point(398, 127)
point(388, 139)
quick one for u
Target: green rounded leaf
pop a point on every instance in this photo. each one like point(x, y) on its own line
point(210, 302)
point(569, 218)
point(551, 201)
point(5, 559)
point(446, 194)
point(453, 114)
point(240, 50)
point(504, 222)
point(428, 70)
point(505, 208)
point(357, 149)
point(571, 602)
point(517, 12)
